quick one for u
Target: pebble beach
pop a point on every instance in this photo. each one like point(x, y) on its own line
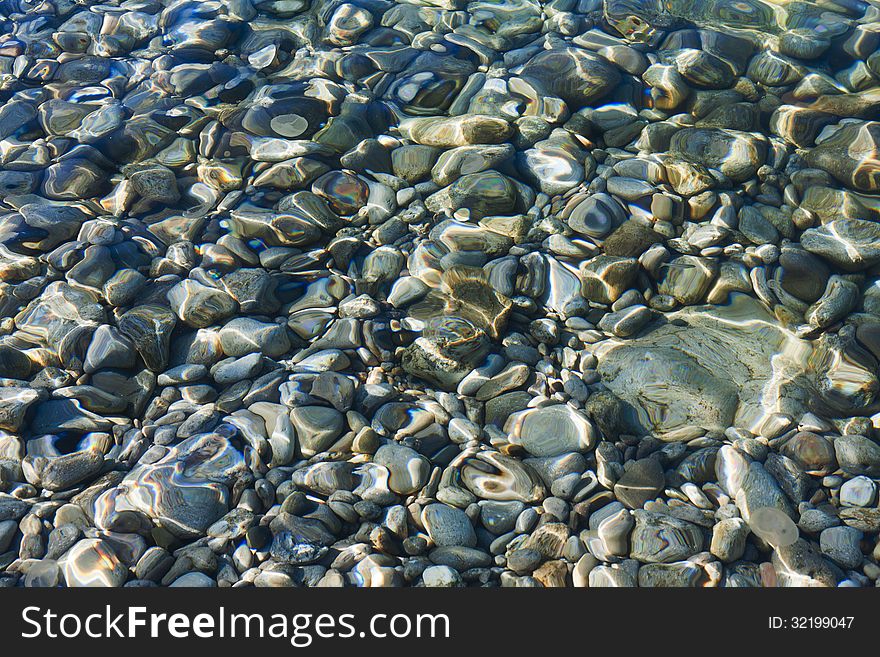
point(438, 293)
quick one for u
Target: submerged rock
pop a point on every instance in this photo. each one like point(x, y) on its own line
point(707, 372)
point(439, 293)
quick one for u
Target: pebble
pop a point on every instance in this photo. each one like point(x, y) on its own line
point(408, 470)
point(317, 427)
point(441, 577)
point(857, 455)
point(802, 565)
point(448, 526)
point(93, 562)
point(438, 294)
point(641, 482)
point(729, 539)
point(858, 491)
point(194, 580)
point(551, 430)
point(659, 538)
point(841, 545)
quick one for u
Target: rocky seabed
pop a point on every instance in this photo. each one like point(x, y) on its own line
point(439, 293)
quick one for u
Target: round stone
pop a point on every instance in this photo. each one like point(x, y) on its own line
point(551, 430)
point(858, 491)
point(447, 525)
point(92, 562)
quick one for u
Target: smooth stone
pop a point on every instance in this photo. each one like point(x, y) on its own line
point(499, 517)
point(465, 160)
point(555, 165)
point(325, 478)
point(407, 290)
point(851, 244)
point(14, 363)
point(641, 482)
point(841, 545)
point(605, 278)
point(184, 491)
point(678, 574)
point(14, 115)
point(802, 274)
point(859, 492)
point(572, 74)
point(198, 305)
point(709, 367)
point(122, 288)
point(551, 430)
point(8, 530)
point(858, 455)
point(800, 564)
point(524, 561)
point(447, 526)
point(149, 327)
point(774, 70)
point(14, 405)
point(729, 539)
point(494, 476)
point(154, 183)
point(814, 453)
point(612, 524)
point(704, 70)
point(414, 162)
point(627, 322)
point(483, 194)
point(12, 508)
point(17, 182)
point(799, 125)
point(335, 388)
point(182, 374)
point(273, 229)
point(850, 155)
point(735, 154)
point(408, 469)
point(44, 574)
point(793, 481)
point(66, 415)
point(459, 558)
point(299, 541)
point(60, 221)
point(194, 580)
point(752, 487)
point(244, 335)
point(611, 577)
point(110, 349)
point(840, 297)
point(74, 179)
point(441, 577)
point(659, 538)
point(631, 239)
point(756, 228)
point(629, 189)
point(447, 362)
point(93, 563)
point(317, 428)
point(687, 279)
point(463, 130)
point(511, 377)
point(66, 471)
point(595, 215)
point(813, 521)
point(231, 370)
